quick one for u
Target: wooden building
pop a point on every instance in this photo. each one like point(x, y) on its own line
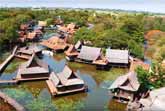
point(65, 82)
point(27, 51)
point(33, 69)
point(55, 43)
point(117, 57)
point(125, 86)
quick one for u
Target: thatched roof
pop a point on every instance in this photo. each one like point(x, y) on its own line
point(89, 53)
point(33, 66)
point(127, 82)
point(117, 56)
point(29, 49)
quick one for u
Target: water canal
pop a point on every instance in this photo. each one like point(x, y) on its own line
point(36, 93)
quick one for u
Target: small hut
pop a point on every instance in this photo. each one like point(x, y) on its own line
point(65, 82)
point(33, 69)
point(117, 57)
point(125, 87)
point(55, 43)
point(27, 51)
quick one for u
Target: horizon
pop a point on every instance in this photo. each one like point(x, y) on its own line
point(155, 6)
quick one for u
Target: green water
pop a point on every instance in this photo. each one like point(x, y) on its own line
point(35, 95)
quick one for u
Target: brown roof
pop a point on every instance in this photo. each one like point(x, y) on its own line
point(54, 43)
point(138, 63)
point(127, 82)
point(33, 66)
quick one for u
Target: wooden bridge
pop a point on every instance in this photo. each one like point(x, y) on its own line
point(5, 63)
point(12, 102)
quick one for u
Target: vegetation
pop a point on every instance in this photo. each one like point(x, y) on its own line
point(116, 31)
point(154, 78)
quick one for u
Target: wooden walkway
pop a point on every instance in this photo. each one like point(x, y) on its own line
point(5, 63)
point(8, 81)
point(12, 102)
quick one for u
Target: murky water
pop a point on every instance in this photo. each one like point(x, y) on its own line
point(97, 98)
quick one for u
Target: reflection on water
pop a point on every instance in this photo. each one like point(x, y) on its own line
point(37, 93)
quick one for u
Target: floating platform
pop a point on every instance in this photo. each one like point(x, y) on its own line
point(55, 92)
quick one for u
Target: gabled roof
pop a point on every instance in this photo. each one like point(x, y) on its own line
point(66, 78)
point(30, 49)
point(127, 82)
point(89, 53)
point(33, 66)
point(66, 72)
point(117, 56)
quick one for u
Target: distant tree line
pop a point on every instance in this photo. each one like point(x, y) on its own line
point(121, 31)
